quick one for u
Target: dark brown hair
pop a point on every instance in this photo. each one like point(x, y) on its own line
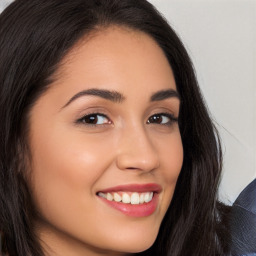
point(34, 38)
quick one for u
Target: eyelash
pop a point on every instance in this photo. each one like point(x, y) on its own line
point(91, 115)
point(171, 118)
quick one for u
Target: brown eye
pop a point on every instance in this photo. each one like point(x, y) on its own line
point(155, 119)
point(162, 118)
point(95, 119)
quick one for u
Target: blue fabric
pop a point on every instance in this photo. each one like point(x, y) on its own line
point(243, 222)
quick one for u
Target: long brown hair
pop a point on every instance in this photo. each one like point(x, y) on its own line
point(34, 37)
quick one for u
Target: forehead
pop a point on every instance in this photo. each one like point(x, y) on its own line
point(116, 56)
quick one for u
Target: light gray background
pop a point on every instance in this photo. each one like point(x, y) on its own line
point(4, 3)
point(220, 36)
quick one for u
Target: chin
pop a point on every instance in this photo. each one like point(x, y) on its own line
point(140, 246)
point(134, 244)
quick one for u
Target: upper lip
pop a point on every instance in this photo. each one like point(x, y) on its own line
point(149, 187)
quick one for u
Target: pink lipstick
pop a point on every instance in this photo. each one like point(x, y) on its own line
point(136, 200)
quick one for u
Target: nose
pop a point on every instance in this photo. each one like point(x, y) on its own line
point(136, 151)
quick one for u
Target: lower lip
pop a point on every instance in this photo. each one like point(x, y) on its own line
point(134, 210)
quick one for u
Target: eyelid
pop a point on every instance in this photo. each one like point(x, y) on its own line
point(96, 113)
point(105, 114)
point(171, 116)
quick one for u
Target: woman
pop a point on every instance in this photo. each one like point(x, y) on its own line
point(106, 144)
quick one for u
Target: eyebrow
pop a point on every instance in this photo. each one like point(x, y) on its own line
point(118, 97)
point(165, 94)
point(113, 96)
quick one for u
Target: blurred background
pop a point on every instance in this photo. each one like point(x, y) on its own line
point(4, 3)
point(220, 36)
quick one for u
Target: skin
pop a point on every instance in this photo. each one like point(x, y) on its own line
point(72, 161)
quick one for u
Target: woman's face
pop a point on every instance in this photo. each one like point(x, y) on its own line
point(106, 147)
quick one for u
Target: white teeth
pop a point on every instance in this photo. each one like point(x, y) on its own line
point(146, 197)
point(110, 197)
point(141, 198)
point(117, 197)
point(126, 198)
point(102, 195)
point(135, 198)
point(131, 198)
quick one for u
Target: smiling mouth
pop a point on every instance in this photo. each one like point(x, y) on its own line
point(128, 197)
point(134, 200)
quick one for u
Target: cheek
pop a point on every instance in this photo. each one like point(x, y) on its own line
point(65, 167)
point(171, 154)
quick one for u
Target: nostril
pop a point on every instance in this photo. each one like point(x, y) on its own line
point(138, 162)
